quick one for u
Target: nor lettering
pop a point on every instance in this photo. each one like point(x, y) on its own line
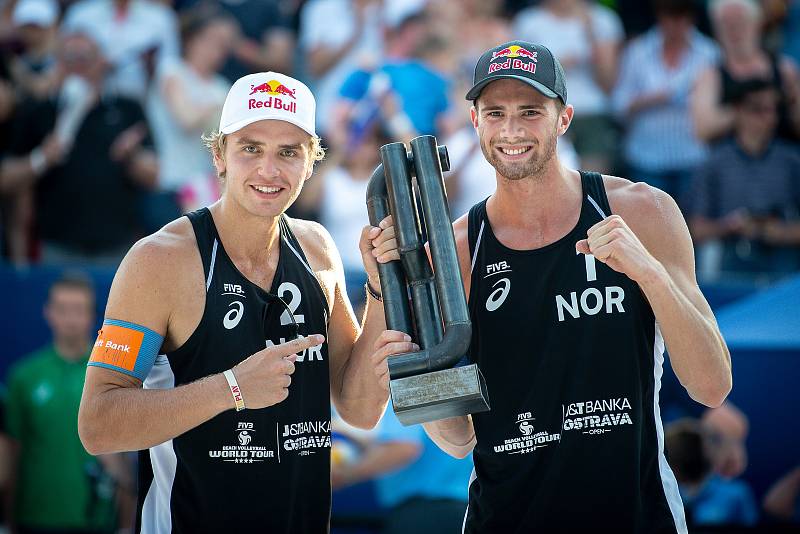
point(591, 302)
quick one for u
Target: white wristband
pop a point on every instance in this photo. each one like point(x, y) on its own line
point(235, 391)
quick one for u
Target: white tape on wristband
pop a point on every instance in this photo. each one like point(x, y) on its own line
point(235, 391)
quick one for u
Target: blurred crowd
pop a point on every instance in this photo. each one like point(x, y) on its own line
point(103, 104)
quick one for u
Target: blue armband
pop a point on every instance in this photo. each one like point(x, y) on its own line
point(126, 347)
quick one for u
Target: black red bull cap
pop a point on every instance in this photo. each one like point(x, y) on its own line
point(527, 62)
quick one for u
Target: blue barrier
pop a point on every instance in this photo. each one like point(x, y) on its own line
point(762, 329)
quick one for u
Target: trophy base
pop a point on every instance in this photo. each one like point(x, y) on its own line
point(439, 395)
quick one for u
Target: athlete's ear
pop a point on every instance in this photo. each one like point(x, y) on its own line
point(309, 169)
point(565, 118)
point(219, 162)
point(473, 114)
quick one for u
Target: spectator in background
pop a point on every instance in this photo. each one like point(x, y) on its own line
point(744, 202)
point(58, 486)
point(727, 428)
point(33, 68)
point(336, 199)
point(338, 37)
point(483, 21)
point(135, 36)
point(423, 489)
point(782, 501)
point(636, 16)
point(585, 37)
point(405, 92)
point(658, 72)
point(266, 39)
point(86, 155)
point(265, 43)
point(708, 499)
point(736, 25)
point(185, 102)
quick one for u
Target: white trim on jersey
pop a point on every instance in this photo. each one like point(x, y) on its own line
point(156, 513)
point(213, 261)
point(472, 478)
point(477, 247)
point(596, 206)
point(667, 476)
point(299, 257)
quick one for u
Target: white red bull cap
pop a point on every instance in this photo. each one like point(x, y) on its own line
point(268, 95)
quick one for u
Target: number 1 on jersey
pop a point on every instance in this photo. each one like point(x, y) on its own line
point(591, 267)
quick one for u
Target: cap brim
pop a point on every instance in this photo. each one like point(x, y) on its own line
point(475, 92)
point(238, 125)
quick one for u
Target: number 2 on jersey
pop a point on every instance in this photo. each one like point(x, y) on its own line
point(293, 303)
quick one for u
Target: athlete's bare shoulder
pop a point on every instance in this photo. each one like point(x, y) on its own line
point(321, 252)
point(317, 243)
point(166, 251)
point(650, 212)
point(153, 273)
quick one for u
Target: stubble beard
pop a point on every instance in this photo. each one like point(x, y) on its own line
point(532, 167)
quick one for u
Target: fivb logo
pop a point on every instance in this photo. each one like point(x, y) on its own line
point(500, 288)
point(232, 289)
point(499, 267)
point(591, 300)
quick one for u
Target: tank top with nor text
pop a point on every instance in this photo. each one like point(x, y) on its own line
point(572, 357)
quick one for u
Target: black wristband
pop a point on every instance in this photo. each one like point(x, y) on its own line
point(371, 292)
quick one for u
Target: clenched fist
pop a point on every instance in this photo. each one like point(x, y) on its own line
point(612, 242)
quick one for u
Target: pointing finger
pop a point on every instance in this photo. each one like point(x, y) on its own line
point(298, 345)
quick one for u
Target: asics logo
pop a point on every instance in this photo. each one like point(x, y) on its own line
point(233, 316)
point(498, 296)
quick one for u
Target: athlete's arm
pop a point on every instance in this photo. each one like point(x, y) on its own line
point(455, 436)
point(116, 414)
point(650, 243)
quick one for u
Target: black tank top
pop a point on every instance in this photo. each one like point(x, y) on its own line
point(264, 470)
point(572, 358)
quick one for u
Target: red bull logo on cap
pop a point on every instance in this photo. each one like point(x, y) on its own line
point(272, 87)
point(514, 51)
point(276, 88)
point(514, 56)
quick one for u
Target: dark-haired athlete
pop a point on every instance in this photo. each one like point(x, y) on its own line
point(575, 283)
